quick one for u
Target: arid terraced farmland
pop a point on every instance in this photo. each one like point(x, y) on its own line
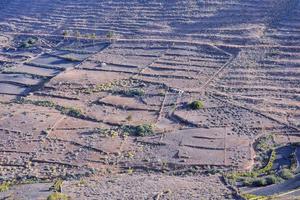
point(182, 99)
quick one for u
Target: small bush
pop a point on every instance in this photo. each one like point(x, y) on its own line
point(73, 112)
point(4, 187)
point(259, 182)
point(254, 197)
point(272, 179)
point(248, 181)
point(57, 186)
point(129, 118)
point(28, 43)
point(110, 35)
point(58, 196)
point(286, 174)
point(44, 104)
point(264, 143)
point(31, 41)
point(65, 33)
point(196, 105)
point(131, 92)
point(144, 130)
point(140, 130)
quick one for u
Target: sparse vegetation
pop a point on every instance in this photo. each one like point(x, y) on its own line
point(255, 177)
point(286, 174)
point(66, 33)
point(211, 77)
point(70, 111)
point(105, 86)
point(272, 179)
point(258, 182)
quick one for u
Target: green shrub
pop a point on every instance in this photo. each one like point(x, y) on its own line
point(73, 112)
point(269, 180)
point(248, 181)
point(272, 179)
point(144, 130)
point(4, 187)
point(196, 105)
point(254, 197)
point(264, 143)
point(140, 130)
point(28, 43)
point(110, 35)
point(58, 196)
point(286, 174)
point(65, 33)
point(258, 182)
point(44, 103)
point(131, 92)
point(31, 41)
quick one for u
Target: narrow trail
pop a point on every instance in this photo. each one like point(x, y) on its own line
point(183, 41)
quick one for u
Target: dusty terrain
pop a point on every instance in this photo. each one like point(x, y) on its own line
point(95, 96)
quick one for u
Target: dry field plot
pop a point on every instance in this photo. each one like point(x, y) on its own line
point(211, 147)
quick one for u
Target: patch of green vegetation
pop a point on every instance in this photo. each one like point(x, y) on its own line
point(140, 130)
point(72, 112)
point(93, 36)
point(286, 174)
point(69, 58)
point(264, 144)
point(293, 158)
point(196, 105)
point(77, 34)
point(131, 92)
point(241, 175)
point(43, 103)
point(110, 35)
point(251, 178)
point(258, 182)
point(5, 186)
point(104, 86)
point(273, 179)
point(57, 186)
point(28, 43)
point(65, 33)
point(58, 196)
point(255, 197)
point(269, 166)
